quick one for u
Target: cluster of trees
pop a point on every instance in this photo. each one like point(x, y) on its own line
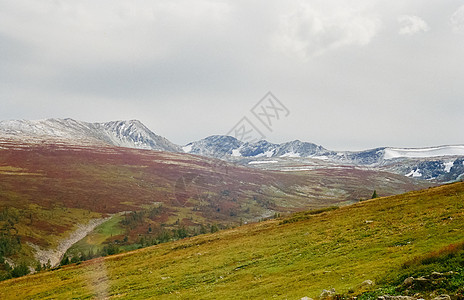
point(8, 271)
point(10, 244)
point(165, 235)
point(109, 249)
point(135, 218)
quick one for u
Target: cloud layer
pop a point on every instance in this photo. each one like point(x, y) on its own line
point(354, 74)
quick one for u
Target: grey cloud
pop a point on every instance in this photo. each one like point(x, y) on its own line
point(189, 69)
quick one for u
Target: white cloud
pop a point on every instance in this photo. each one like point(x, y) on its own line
point(412, 24)
point(457, 20)
point(313, 28)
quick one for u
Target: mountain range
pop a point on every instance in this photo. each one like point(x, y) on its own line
point(441, 163)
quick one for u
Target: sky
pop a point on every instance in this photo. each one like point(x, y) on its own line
point(346, 74)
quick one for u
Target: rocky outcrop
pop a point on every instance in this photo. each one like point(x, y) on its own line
point(388, 297)
point(328, 294)
point(442, 297)
point(426, 282)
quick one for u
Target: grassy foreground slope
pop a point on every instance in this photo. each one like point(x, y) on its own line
point(291, 258)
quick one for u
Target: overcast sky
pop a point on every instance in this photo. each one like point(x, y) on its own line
point(352, 74)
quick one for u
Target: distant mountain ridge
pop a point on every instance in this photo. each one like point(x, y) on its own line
point(442, 163)
point(221, 146)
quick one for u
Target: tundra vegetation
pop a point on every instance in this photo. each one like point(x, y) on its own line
point(49, 191)
point(382, 241)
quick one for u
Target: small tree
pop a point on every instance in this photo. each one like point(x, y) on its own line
point(374, 195)
point(64, 261)
point(214, 228)
point(20, 270)
point(202, 229)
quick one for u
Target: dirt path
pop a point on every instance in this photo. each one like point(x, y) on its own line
point(55, 255)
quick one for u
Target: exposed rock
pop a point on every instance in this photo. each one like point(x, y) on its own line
point(327, 293)
point(367, 283)
point(436, 275)
point(442, 297)
point(422, 282)
point(10, 262)
point(388, 297)
point(408, 281)
point(306, 298)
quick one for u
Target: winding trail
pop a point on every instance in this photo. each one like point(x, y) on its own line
point(56, 255)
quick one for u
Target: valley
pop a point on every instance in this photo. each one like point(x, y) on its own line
point(48, 190)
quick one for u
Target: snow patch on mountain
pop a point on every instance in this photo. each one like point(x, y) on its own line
point(448, 165)
point(268, 153)
point(414, 173)
point(187, 148)
point(291, 154)
point(391, 153)
point(236, 152)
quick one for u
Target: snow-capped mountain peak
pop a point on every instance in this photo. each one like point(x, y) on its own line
point(132, 134)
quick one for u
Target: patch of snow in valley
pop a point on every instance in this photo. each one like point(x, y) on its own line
point(290, 169)
point(320, 157)
point(257, 162)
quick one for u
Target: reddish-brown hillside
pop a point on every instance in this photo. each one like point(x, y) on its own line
point(48, 188)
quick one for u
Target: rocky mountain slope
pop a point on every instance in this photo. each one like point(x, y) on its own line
point(225, 147)
point(130, 134)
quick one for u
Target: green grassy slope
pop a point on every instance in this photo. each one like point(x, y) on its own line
point(274, 259)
